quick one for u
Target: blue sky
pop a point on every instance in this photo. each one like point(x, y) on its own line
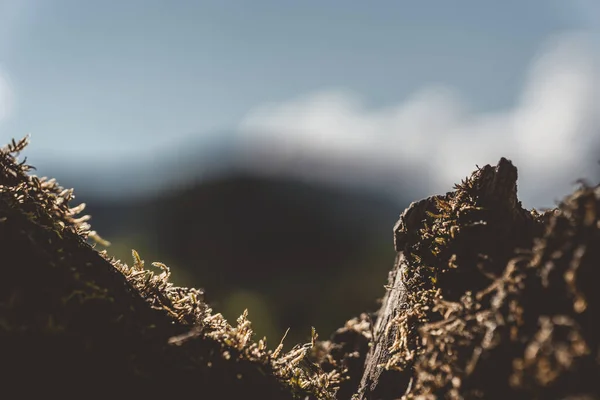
point(99, 83)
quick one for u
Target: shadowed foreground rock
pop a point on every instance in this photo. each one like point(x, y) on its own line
point(485, 300)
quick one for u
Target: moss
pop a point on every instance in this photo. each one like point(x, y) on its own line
point(73, 317)
point(501, 301)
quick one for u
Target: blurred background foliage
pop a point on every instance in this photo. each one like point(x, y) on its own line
point(295, 254)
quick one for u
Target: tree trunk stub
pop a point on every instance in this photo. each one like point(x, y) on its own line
point(486, 207)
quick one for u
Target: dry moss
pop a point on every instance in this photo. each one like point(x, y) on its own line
point(187, 307)
point(75, 317)
point(501, 302)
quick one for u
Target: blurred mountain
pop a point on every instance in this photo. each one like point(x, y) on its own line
point(296, 254)
point(116, 174)
point(127, 172)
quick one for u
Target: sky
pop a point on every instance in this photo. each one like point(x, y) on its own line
point(336, 90)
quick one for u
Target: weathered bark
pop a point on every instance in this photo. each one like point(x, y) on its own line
point(378, 382)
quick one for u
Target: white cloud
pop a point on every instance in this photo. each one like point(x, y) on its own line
point(6, 98)
point(552, 134)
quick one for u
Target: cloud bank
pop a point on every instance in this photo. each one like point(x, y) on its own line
point(432, 140)
point(6, 98)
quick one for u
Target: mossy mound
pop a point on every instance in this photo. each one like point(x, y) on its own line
point(533, 332)
point(74, 320)
point(497, 302)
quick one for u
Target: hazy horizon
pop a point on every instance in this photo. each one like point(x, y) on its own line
point(412, 95)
